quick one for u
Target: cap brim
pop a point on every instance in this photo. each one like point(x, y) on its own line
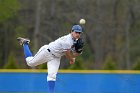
point(77, 31)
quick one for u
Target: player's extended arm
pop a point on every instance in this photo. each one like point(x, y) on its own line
point(69, 56)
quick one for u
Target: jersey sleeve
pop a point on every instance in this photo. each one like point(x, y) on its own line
point(65, 44)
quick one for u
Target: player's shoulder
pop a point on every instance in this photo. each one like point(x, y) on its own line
point(66, 40)
point(66, 37)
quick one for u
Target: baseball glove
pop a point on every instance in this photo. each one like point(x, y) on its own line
point(79, 45)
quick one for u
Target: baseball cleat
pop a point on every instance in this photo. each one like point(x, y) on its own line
point(23, 40)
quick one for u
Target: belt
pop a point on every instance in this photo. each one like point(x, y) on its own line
point(50, 52)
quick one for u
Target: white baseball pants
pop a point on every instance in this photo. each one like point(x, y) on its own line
point(42, 56)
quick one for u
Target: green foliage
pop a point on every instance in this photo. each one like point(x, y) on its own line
point(11, 64)
point(78, 64)
point(87, 57)
point(43, 66)
point(135, 41)
point(87, 53)
point(8, 9)
point(136, 66)
point(20, 31)
point(106, 34)
point(109, 64)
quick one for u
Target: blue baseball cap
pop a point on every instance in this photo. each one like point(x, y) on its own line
point(77, 28)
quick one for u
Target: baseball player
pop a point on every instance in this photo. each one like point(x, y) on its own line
point(69, 45)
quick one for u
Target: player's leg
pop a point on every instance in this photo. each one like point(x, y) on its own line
point(53, 67)
point(39, 58)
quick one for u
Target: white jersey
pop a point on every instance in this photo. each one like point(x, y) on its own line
point(62, 44)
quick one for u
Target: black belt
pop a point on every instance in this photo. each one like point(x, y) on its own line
point(50, 52)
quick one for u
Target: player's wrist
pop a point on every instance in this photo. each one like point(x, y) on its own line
point(72, 61)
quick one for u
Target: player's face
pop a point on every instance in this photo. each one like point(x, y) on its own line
point(76, 35)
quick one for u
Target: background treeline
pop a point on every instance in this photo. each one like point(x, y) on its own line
point(111, 34)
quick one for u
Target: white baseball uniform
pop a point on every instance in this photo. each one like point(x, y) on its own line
point(51, 54)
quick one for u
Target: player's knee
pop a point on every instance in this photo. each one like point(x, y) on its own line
point(51, 77)
point(29, 62)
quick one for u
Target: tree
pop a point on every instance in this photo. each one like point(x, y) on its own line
point(8, 10)
point(136, 65)
point(109, 64)
point(11, 63)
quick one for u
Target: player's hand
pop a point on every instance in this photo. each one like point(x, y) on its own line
point(73, 61)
